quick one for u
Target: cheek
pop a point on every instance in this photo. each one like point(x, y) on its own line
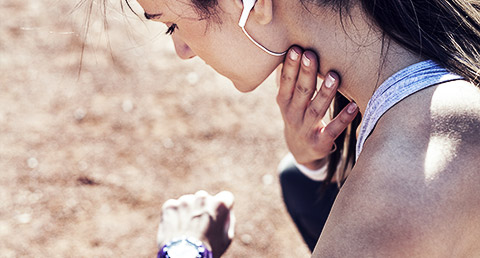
point(233, 56)
point(247, 74)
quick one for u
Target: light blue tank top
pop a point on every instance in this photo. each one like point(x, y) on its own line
point(399, 86)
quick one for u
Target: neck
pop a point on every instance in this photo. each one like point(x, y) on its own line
point(352, 47)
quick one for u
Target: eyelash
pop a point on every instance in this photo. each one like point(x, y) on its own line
point(171, 29)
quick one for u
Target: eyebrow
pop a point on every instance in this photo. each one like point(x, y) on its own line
point(152, 16)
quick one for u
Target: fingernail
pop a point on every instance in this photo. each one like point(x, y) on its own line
point(352, 107)
point(305, 60)
point(293, 55)
point(329, 81)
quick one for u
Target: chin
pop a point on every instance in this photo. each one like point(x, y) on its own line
point(245, 87)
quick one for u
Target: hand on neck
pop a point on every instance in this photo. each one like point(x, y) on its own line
point(349, 45)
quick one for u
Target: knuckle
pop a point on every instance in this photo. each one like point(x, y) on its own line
point(170, 204)
point(309, 71)
point(330, 133)
point(186, 200)
point(201, 200)
point(183, 204)
point(287, 77)
point(314, 111)
point(323, 94)
point(344, 120)
point(303, 90)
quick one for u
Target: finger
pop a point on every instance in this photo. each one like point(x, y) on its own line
point(226, 197)
point(305, 86)
point(278, 74)
point(200, 200)
point(230, 227)
point(319, 105)
point(288, 77)
point(200, 214)
point(169, 221)
point(186, 203)
point(201, 211)
point(201, 193)
point(223, 216)
point(161, 236)
point(340, 123)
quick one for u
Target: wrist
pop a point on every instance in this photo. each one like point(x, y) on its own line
point(185, 247)
point(318, 174)
point(316, 164)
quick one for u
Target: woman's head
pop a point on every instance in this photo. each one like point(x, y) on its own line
point(446, 31)
point(209, 29)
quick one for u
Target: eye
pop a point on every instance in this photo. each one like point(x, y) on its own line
point(171, 29)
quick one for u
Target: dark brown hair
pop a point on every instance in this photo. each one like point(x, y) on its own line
point(445, 31)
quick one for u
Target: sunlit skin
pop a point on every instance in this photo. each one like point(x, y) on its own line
point(409, 194)
point(352, 50)
point(223, 46)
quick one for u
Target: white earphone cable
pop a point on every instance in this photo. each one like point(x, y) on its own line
point(260, 46)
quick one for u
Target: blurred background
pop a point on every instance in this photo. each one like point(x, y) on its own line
point(88, 157)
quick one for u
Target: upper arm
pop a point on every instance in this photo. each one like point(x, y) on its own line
point(414, 194)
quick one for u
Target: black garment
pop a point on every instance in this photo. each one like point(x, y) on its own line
point(308, 208)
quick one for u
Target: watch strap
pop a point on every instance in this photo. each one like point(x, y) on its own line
point(201, 250)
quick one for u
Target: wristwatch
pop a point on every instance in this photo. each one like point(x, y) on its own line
point(184, 248)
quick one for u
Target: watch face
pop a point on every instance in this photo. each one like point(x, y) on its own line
point(182, 249)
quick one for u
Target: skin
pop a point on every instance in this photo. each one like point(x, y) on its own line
point(222, 46)
point(309, 138)
point(413, 191)
point(413, 194)
point(208, 218)
point(420, 201)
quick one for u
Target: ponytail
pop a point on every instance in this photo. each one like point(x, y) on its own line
point(445, 31)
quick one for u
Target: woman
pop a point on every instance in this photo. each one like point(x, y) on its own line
point(410, 68)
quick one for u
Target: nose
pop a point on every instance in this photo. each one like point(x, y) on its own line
point(182, 49)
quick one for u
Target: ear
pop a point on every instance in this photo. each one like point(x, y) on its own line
point(262, 11)
point(239, 4)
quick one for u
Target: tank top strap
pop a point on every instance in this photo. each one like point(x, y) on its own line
point(396, 88)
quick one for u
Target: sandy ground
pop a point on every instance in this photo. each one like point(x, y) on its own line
point(87, 161)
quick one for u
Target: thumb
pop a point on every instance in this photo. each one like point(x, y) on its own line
point(227, 198)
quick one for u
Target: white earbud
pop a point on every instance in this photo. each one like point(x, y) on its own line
point(247, 8)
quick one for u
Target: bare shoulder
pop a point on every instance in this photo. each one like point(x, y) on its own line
point(439, 126)
point(455, 107)
point(414, 190)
